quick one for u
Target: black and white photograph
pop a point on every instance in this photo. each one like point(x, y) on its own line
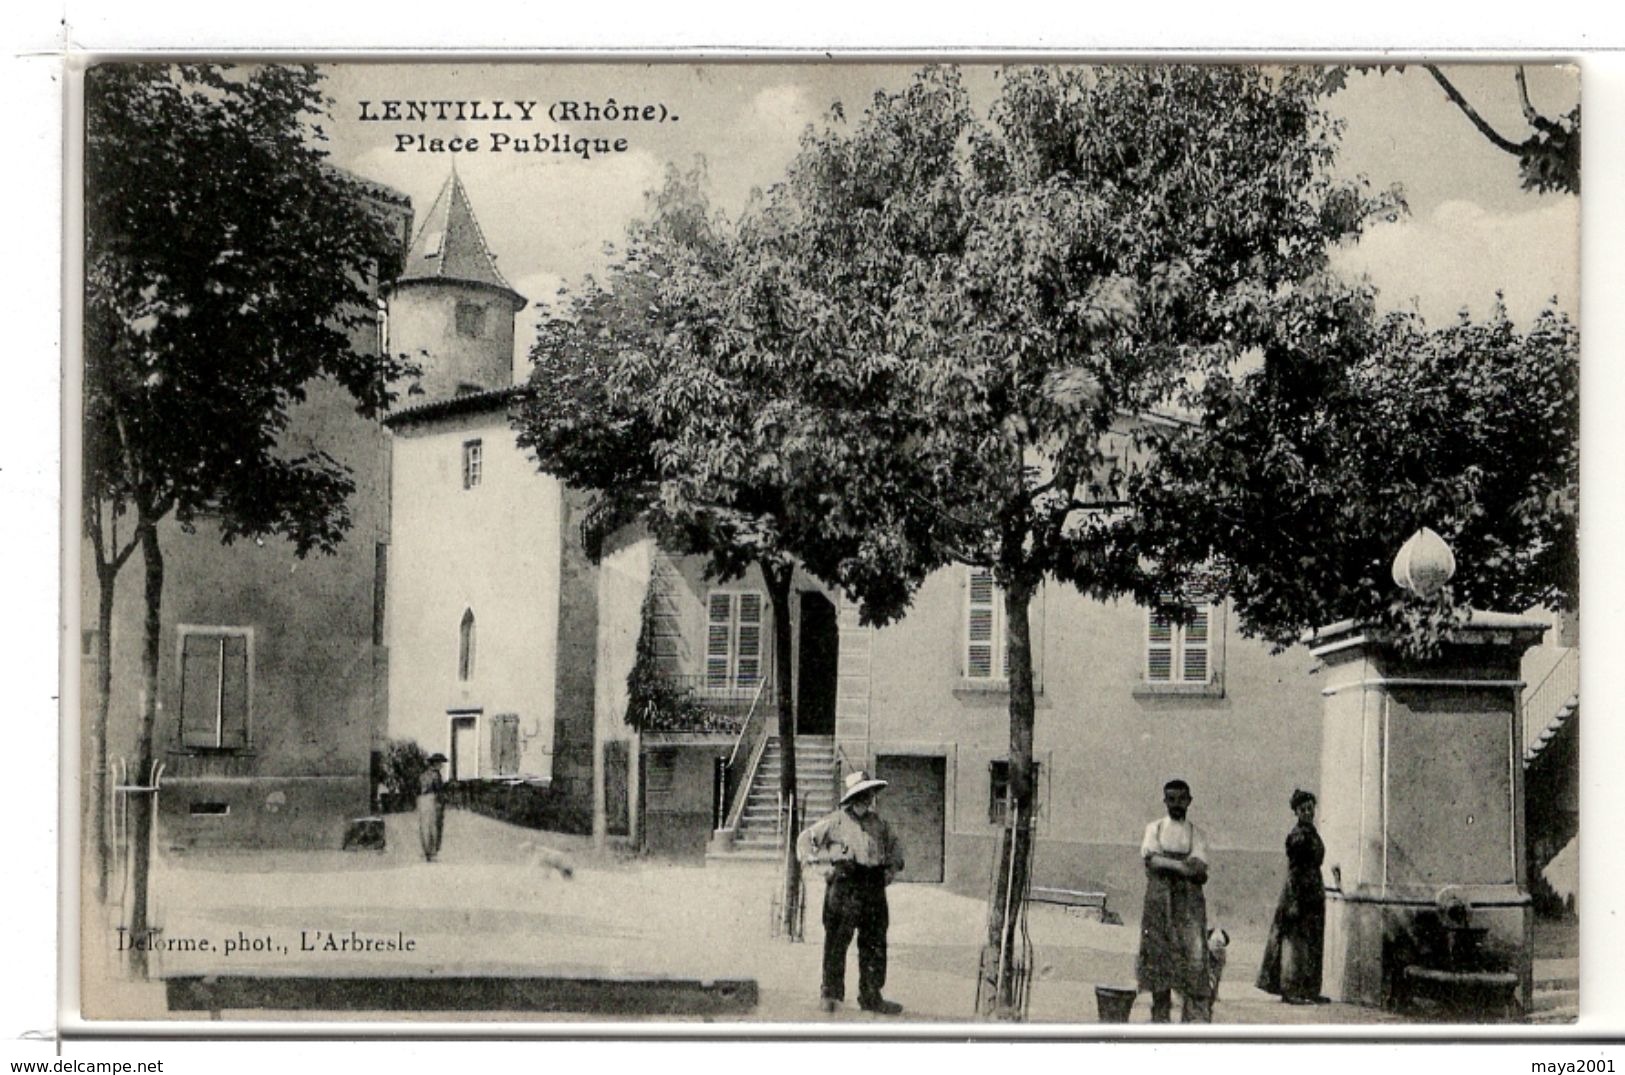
point(922, 546)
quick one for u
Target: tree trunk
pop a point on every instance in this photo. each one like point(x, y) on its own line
point(142, 803)
point(106, 574)
point(778, 588)
point(1002, 983)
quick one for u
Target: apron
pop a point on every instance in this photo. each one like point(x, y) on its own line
point(1173, 935)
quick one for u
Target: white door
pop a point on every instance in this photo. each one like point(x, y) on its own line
point(465, 750)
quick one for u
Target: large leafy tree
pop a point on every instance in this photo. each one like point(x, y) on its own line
point(1298, 482)
point(227, 267)
point(1025, 286)
point(676, 389)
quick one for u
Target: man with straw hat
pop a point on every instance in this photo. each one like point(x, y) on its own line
point(859, 856)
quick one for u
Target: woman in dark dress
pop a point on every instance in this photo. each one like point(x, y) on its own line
point(1292, 955)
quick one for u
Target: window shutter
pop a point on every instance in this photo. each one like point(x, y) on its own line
point(233, 691)
point(505, 744)
point(1195, 649)
point(200, 689)
point(1159, 650)
point(748, 668)
point(981, 622)
point(718, 636)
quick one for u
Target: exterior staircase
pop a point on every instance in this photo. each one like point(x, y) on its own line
point(1557, 992)
point(758, 837)
point(1551, 765)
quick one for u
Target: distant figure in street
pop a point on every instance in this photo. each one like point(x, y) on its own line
point(1173, 927)
point(1293, 953)
point(431, 809)
point(860, 857)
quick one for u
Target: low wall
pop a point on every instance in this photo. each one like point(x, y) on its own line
point(1242, 889)
point(259, 812)
point(528, 805)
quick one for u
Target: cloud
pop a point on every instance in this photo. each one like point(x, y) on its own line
point(782, 107)
point(1461, 254)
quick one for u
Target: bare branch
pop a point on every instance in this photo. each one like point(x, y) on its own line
point(1530, 114)
point(946, 514)
point(1471, 113)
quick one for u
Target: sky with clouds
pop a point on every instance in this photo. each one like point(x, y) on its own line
point(1472, 230)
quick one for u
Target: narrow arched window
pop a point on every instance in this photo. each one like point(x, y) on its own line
point(465, 647)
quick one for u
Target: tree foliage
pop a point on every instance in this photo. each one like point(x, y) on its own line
point(1301, 479)
point(226, 268)
point(1102, 242)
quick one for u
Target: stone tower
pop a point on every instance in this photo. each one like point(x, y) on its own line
point(451, 309)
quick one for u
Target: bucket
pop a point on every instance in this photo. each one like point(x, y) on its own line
point(1114, 1003)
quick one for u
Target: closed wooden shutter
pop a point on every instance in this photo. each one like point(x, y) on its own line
point(748, 663)
point(985, 656)
point(1194, 664)
point(214, 690)
point(719, 641)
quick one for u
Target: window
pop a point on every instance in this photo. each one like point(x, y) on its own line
point(505, 744)
point(383, 327)
point(984, 659)
point(1179, 653)
point(733, 640)
point(465, 647)
point(215, 664)
point(998, 789)
point(432, 243)
point(473, 463)
point(985, 656)
point(470, 319)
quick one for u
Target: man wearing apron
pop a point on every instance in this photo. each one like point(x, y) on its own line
point(1173, 926)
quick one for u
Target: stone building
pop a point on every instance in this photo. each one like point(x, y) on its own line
point(273, 670)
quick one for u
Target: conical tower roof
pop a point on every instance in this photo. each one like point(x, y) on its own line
point(450, 245)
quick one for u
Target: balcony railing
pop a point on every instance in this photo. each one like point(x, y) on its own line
point(702, 705)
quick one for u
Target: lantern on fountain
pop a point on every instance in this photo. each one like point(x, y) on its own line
point(1424, 563)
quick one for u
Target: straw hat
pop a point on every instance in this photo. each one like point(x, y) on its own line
point(859, 782)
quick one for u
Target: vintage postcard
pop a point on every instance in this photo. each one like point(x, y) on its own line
point(895, 546)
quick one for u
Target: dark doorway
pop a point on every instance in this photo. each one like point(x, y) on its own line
point(819, 652)
point(916, 806)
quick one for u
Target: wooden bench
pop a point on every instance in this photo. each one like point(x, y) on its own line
point(1073, 900)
